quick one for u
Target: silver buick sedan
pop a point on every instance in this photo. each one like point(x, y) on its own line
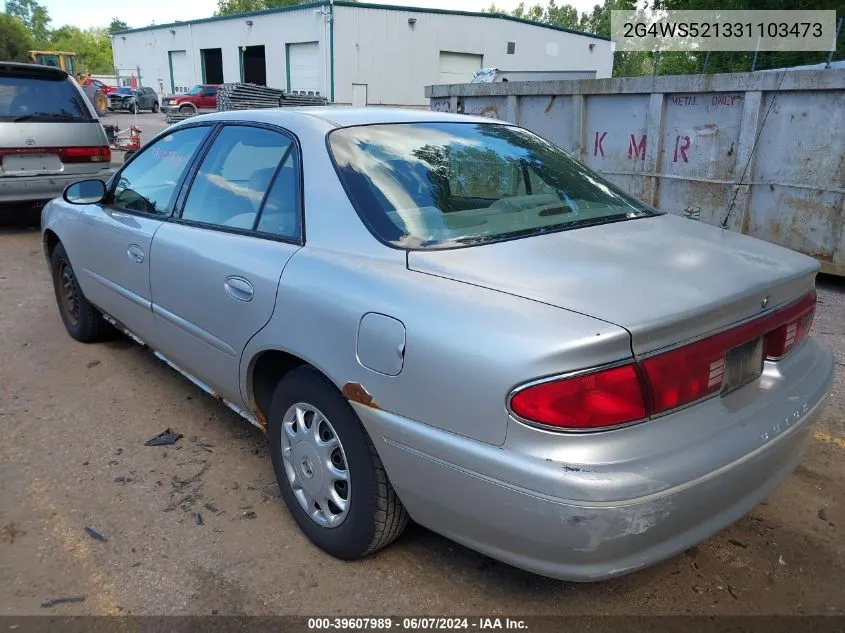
point(448, 319)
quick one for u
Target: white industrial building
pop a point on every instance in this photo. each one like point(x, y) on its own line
point(352, 52)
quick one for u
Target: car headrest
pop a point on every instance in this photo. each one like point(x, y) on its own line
point(260, 180)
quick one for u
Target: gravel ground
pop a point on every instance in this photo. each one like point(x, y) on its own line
point(75, 418)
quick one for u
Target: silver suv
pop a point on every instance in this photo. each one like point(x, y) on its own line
point(50, 135)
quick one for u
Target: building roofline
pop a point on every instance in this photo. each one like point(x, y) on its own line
point(364, 5)
point(472, 14)
point(233, 16)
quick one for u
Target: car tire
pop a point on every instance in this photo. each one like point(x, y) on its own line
point(133, 108)
point(186, 109)
point(155, 107)
point(81, 319)
point(374, 515)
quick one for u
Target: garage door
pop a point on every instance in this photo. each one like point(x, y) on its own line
point(457, 68)
point(305, 67)
point(180, 72)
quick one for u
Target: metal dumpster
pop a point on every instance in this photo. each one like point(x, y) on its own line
point(770, 146)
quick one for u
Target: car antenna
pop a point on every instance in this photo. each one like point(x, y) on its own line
point(724, 223)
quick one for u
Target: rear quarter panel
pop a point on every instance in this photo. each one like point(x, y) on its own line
point(466, 347)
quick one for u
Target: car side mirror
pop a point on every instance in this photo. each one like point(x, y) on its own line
point(85, 192)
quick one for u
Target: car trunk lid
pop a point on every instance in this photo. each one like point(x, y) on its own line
point(665, 279)
point(38, 148)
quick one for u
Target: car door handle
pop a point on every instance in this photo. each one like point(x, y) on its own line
point(239, 288)
point(135, 253)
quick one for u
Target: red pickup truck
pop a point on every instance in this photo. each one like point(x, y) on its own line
point(200, 97)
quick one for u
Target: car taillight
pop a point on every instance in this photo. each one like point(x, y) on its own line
point(781, 341)
point(603, 398)
point(660, 383)
point(689, 373)
point(681, 376)
point(100, 154)
point(84, 154)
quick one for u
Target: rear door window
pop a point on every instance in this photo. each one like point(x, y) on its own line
point(39, 97)
point(280, 215)
point(234, 177)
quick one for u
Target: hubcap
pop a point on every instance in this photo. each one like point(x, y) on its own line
point(69, 292)
point(315, 465)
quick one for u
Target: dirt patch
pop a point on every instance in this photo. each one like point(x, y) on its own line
point(73, 456)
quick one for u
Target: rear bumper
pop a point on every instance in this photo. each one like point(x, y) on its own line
point(597, 520)
point(17, 189)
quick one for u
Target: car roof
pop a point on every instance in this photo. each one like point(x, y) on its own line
point(341, 116)
point(32, 69)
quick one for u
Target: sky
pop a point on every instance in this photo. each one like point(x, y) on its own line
point(87, 13)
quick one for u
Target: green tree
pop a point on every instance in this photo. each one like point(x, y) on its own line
point(26, 25)
point(727, 62)
point(229, 7)
point(116, 25)
point(535, 13)
point(598, 20)
point(93, 46)
point(565, 15)
point(34, 17)
point(15, 42)
point(625, 64)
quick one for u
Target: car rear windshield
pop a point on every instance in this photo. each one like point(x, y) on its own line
point(38, 98)
point(446, 185)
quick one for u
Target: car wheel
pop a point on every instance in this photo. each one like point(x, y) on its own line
point(133, 108)
point(330, 475)
point(185, 109)
point(155, 107)
point(82, 320)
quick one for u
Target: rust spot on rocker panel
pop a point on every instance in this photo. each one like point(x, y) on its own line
point(262, 419)
point(355, 392)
